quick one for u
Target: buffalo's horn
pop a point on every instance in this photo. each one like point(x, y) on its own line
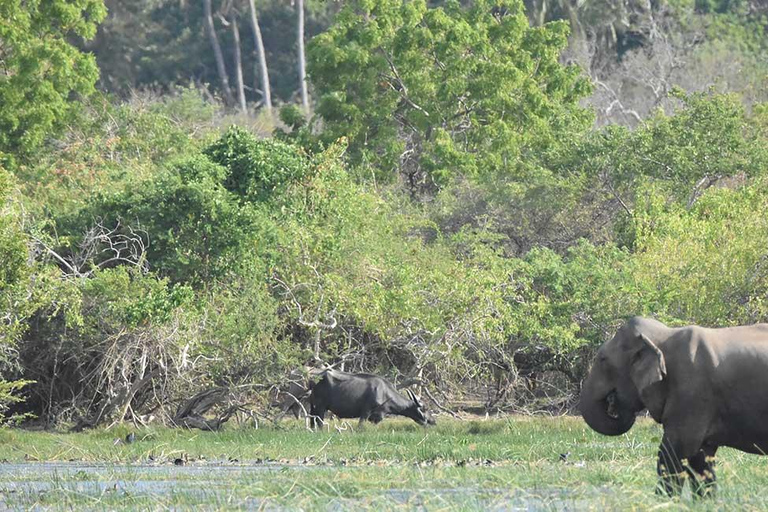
point(414, 398)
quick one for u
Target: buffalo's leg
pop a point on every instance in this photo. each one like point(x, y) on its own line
point(703, 464)
point(318, 417)
point(669, 468)
point(363, 418)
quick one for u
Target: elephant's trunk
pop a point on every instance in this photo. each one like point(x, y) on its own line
point(603, 410)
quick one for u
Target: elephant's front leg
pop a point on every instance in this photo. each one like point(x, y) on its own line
point(669, 468)
point(702, 463)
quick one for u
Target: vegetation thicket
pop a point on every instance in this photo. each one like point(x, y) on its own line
point(451, 212)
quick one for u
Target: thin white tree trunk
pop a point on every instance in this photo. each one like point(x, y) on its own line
point(302, 58)
point(263, 72)
point(238, 65)
point(211, 29)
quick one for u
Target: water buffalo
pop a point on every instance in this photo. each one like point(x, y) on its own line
point(364, 396)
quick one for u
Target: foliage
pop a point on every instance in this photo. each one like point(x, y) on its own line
point(256, 168)
point(14, 274)
point(437, 93)
point(8, 398)
point(13, 250)
point(709, 139)
point(42, 69)
point(707, 264)
point(201, 215)
point(242, 334)
point(92, 354)
point(147, 255)
point(197, 232)
point(109, 147)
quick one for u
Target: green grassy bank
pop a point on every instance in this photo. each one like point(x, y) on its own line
point(509, 463)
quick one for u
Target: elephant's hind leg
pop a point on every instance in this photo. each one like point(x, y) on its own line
point(703, 464)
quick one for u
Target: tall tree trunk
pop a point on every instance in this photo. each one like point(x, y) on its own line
point(211, 29)
point(238, 65)
point(302, 59)
point(263, 72)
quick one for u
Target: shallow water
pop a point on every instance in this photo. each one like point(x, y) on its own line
point(22, 485)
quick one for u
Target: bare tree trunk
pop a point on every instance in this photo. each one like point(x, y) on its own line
point(302, 58)
point(266, 92)
point(541, 13)
point(238, 65)
point(211, 29)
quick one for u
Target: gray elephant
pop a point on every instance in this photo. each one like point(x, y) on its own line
point(707, 387)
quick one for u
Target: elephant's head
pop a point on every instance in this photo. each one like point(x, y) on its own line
point(621, 379)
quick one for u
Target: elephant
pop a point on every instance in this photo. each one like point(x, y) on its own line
point(707, 387)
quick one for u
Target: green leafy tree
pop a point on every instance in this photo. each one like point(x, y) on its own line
point(41, 69)
point(14, 306)
point(13, 249)
point(436, 93)
point(712, 137)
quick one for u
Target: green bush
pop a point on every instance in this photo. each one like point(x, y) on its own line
point(256, 168)
point(707, 264)
point(14, 283)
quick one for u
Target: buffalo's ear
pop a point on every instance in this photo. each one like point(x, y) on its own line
point(648, 365)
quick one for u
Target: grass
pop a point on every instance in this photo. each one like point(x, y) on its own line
point(513, 462)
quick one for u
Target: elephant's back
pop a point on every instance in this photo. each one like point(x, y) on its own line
point(751, 339)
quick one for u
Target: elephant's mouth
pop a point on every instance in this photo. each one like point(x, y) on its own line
point(611, 408)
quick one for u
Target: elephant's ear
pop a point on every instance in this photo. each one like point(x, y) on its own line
point(648, 365)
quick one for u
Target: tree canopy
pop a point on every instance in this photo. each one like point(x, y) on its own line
point(42, 69)
point(435, 93)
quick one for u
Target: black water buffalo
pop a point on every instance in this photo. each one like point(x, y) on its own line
point(364, 396)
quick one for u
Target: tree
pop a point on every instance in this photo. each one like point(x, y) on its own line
point(220, 66)
point(238, 62)
point(709, 139)
point(40, 70)
point(436, 93)
point(302, 58)
point(14, 269)
point(263, 72)
point(15, 303)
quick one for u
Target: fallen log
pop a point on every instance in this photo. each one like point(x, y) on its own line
point(191, 413)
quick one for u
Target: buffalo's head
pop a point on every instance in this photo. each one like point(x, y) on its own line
point(417, 412)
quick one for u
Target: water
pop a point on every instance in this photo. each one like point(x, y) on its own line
point(47, 485)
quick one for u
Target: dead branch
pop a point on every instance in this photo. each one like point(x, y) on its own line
point(439, 405)
point(103, 247)
point(316, 323)
point(703, 184)
point(400, 87)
